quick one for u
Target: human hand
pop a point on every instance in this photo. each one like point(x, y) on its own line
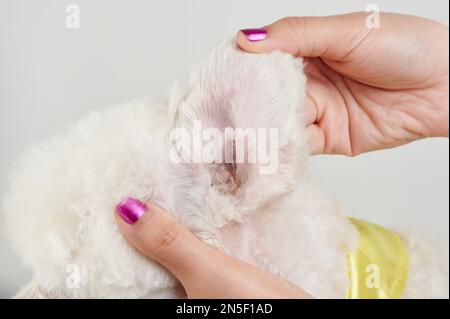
point(368, 88)
point(204, 271)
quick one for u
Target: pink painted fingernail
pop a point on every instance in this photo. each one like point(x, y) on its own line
point(131, 210)
point(254, 35)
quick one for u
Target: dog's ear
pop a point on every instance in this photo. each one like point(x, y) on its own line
point(261, 98)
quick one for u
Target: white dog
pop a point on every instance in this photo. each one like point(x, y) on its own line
point(60, 208)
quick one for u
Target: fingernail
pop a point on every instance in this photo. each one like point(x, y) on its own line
point(254, 35)
point(131, 210)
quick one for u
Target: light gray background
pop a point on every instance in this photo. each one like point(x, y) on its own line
point(51, 76)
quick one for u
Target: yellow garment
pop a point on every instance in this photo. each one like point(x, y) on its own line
point(379, 266)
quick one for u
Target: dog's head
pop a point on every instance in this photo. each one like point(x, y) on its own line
point(211, 156)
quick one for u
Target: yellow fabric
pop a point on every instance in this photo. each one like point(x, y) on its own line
point(379, 266)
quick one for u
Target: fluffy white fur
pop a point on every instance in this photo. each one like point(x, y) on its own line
point(59, 210)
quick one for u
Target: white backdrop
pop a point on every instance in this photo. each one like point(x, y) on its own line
point(51, 76)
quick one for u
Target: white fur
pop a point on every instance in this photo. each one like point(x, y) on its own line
point(59, 210)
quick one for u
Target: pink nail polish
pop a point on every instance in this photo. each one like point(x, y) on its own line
point(254, 35)
point(131, 210)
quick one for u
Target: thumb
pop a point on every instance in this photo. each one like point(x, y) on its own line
point(332, 37)
point(202, 270)
point(161, 238)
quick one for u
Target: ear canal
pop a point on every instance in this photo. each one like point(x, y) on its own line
point(254, 93)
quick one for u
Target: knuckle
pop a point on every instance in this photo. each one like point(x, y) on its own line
point(294, 24)
point(164, 238)
point(295, 28)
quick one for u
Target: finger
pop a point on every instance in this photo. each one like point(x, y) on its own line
point(311, 113)
point(332, 37)
point(161, 238)
point(203, 271)
point(316, 139)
